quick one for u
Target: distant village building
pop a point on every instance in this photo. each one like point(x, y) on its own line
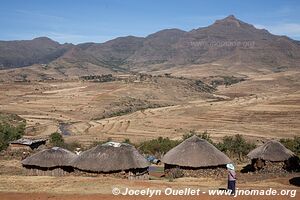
point(273, 157)
point(49, 162)
point(26, 144)
point(195, 157)
point(118, 159)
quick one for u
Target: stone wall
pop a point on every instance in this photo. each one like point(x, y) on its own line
point(177, 172)
point(140, 174)
point(31, 171)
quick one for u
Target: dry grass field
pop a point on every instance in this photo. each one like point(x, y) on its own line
point(263, 106)
point(20, 186)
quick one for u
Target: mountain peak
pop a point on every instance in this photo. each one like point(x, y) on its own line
point(230, 17)
point(45, 41)
point(229, 20)
point(43, 38)
point(233, 22)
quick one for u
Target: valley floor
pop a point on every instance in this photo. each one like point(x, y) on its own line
point(262, 107)
point(265, 106)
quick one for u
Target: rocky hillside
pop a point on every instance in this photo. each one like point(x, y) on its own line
point(27, 52)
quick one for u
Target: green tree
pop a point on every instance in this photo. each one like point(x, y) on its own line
point(235, 146)
point(56, 139)
point(9, 133)
point(205, 135)
point(292, 144)
point(158, 146)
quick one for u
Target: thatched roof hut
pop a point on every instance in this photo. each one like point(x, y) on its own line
point(26, 144)
point(53, 157)
point(54, 161)
point(272, 157)
point(195, 152)
point(271, 151)
point(110, 157)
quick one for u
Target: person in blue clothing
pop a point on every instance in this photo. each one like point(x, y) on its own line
point(231, 178)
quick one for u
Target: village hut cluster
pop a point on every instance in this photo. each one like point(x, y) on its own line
point(118, 159)
point(193, 157)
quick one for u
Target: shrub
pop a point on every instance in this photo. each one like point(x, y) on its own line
point(56, 139)
point(292, 144)
point(235, 146)
point(99, 78)
point(96, 143)
point(226, 80)
point(9, 133)
point(205, 135)
point(157, 146)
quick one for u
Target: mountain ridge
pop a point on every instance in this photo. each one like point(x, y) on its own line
point(228, 40)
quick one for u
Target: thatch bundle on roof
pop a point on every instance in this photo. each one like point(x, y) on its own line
point(270, 152)
point(111, 158)
point(195, 154)
point(54, 161)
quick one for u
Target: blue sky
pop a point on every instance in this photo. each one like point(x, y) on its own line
point(78, 21)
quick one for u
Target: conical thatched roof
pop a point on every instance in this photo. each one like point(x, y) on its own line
point(110, 157)
point(195, 152)
point(271, 151)
point(53, 157)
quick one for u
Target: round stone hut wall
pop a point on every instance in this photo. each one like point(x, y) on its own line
point(174, 171)
point(44, 171)
point(132, 174)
